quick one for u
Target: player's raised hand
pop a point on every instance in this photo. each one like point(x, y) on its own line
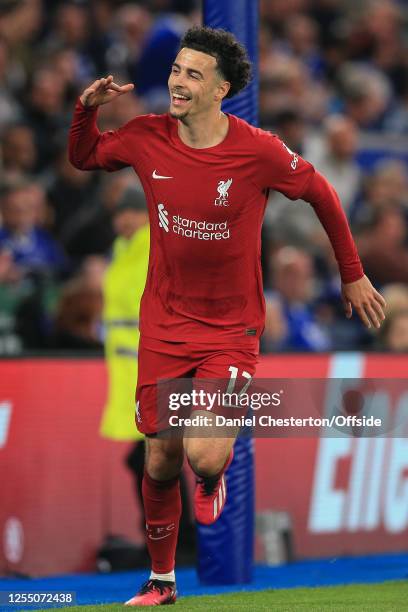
point(368, 303)
point(103, 91)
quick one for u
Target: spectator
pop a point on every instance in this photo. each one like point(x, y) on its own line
point(345, 334)
point(366, 95)
point(386, 186)
point(131, 26)
point(18, 152)
point(396, 297)
point(275, 14)
point(45, 111)
point(378, 38)
point(302, 35)
point(12, 291)
point(72, 194)
point(397, 122)
point(276, 328)
point(335, 158)
point(67, 63)
point(10, 110)
point(71, 25)
point(123, 288)
point(70, 31)
point(102, 17)
point(394, 334)
point(20, 24)
point(293, 280)
point(286, 82)
point(78, 317)
point(32, 248)
point(93, 271)
point(388, 232)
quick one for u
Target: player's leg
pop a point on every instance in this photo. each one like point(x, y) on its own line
point(209, 459)
point(162, 502)
point(211, 453)
point(186, 549)
point(161, 486)
point(162, 505)
point(208, 455)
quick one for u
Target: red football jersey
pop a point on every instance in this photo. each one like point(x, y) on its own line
point(206, 208)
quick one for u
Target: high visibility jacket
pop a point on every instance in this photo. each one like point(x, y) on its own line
point(123, 288)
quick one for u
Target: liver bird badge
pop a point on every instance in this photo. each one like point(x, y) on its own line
point(223, 188)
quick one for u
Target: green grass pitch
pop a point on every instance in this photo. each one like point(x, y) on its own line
point(384, 597)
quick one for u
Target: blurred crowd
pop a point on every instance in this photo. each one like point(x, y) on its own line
point(333, 86)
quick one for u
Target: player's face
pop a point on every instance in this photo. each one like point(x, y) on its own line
point(195, 85)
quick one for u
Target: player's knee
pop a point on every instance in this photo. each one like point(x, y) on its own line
point(204, 465)
point(164, 463)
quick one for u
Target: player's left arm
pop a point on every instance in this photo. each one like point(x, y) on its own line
point(357, 291)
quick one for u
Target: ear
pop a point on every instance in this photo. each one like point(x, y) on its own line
point(222, 90)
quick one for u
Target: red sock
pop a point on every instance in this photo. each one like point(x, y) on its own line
point(162, 503)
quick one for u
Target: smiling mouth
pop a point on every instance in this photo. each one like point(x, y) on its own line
point(179, 99)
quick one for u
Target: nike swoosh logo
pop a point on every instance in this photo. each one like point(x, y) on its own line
point(158, 176)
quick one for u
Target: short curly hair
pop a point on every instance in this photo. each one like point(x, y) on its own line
point(232, 59)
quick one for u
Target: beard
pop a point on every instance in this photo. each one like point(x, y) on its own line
point(178, 114)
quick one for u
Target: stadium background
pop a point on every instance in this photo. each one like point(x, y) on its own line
point(333, 85)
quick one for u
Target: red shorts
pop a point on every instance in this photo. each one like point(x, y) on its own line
point(160, 359)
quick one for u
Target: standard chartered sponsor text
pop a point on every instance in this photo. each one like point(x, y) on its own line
point(202, 230)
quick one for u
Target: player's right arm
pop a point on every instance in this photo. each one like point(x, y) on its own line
point(88, 148)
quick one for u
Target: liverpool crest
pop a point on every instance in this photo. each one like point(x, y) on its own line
point(223, 188)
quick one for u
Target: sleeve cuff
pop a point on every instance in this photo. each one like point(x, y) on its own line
point(87, 109)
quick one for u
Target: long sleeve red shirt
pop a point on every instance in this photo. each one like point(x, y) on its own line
point(206, 208)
